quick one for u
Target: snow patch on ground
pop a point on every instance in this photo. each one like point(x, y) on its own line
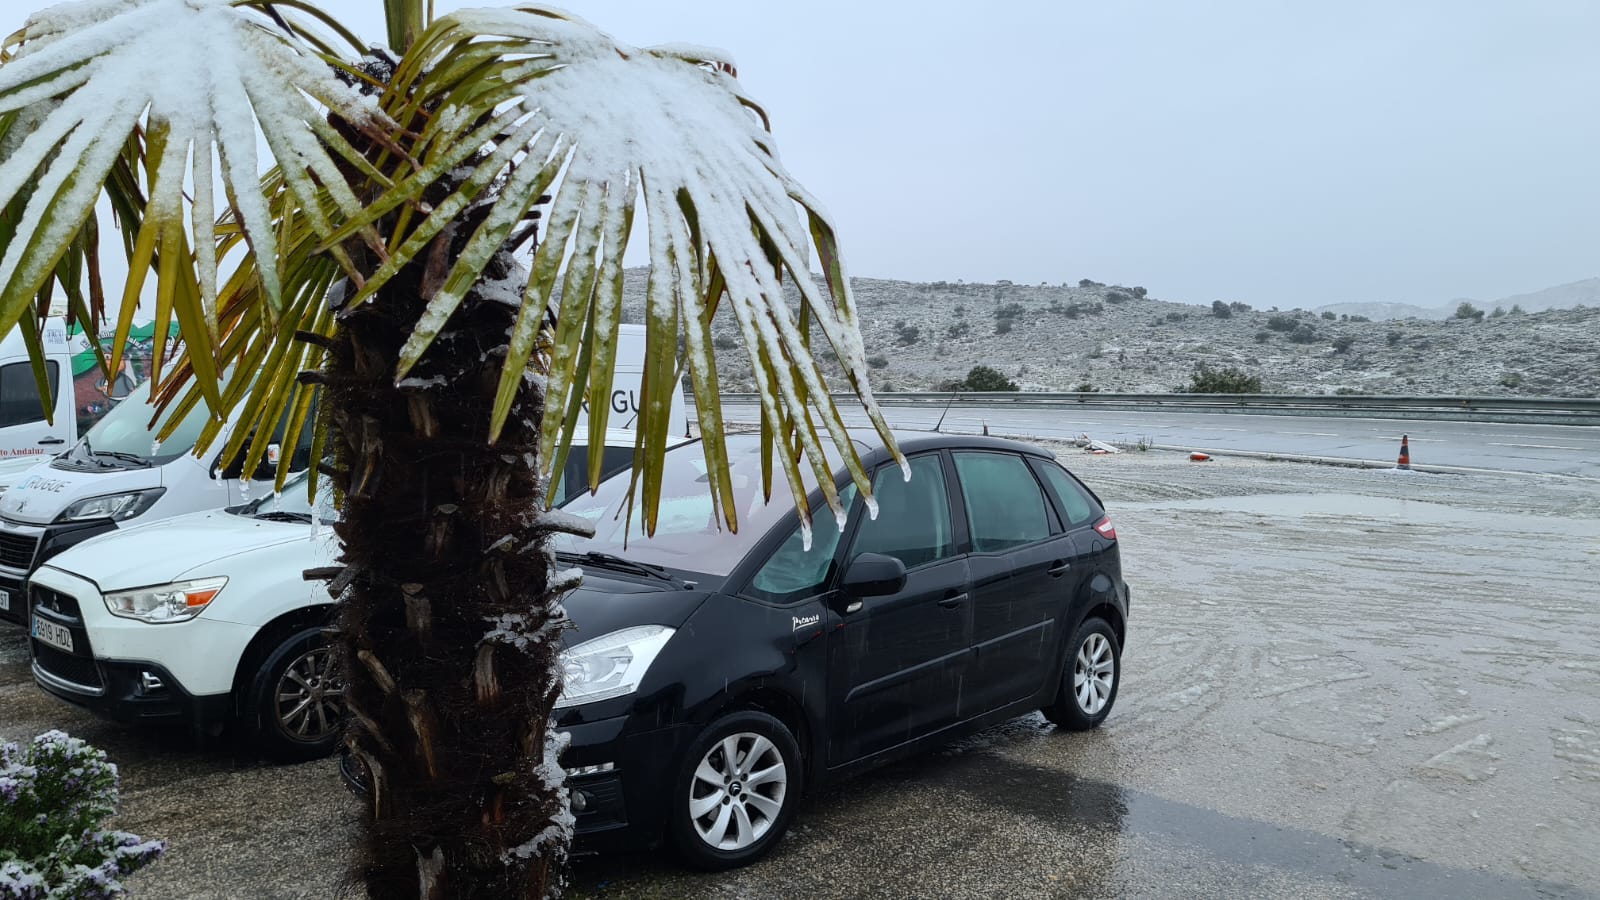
point(1469, 760)
point(1447, 723)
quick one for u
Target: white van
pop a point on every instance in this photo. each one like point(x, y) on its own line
point(115, 476)
point(25, 435)
point(625, 389)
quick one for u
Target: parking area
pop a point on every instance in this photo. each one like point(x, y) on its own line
point(1338, 683)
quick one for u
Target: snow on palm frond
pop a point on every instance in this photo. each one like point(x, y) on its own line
point(567, 106)
point(188, 78)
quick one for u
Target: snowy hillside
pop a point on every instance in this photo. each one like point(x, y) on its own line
point(1109, 338)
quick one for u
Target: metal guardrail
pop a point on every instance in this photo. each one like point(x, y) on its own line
point(1532, 410)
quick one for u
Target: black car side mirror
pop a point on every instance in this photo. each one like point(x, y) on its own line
point(874, 575)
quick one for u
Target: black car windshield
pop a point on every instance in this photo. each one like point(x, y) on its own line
point(293, 502)
point(127, 431)
point(688, 537)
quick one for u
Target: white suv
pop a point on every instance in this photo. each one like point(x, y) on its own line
point(207, 618)
point(204, 618)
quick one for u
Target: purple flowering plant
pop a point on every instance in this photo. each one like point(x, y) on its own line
point(55, 795)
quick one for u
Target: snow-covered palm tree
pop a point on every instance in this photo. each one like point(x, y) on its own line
point(363, 280)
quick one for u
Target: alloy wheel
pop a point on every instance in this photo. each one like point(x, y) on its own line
point(1094, 674)
point(738, 791)
point(310, 697)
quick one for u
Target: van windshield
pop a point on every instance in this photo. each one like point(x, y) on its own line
point(126, 432)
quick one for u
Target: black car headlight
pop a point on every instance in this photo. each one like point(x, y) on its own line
point(116, 507)
point(611, 665)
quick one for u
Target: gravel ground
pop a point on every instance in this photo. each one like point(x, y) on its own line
point(1338, 683)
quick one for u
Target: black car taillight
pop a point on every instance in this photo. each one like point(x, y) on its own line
point(1105, 528)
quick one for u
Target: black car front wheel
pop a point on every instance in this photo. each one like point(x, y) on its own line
point(1089, 679)
point(736, 791)
point(297, 702)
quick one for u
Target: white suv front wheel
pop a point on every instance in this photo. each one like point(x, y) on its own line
point(296, 704)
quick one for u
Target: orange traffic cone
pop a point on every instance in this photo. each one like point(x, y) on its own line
point(1405, 453)
point(1197, 456)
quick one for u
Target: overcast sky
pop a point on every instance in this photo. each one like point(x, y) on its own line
point(1278, 153)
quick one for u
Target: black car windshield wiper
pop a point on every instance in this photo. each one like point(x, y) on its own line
point(278, 515)
point(612, 561)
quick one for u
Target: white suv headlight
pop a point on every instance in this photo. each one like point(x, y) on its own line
point(611, 665)
point(162, 603)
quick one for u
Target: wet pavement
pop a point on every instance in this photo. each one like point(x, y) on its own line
point(1497, 446)
point(1339, 683)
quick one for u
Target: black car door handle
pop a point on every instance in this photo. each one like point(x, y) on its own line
point(53, 441)
point(1060, 568)
point(954, 600)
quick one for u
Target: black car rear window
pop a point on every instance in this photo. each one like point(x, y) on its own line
point(1074, 499)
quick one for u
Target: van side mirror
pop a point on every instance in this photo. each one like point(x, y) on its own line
point(874, 575)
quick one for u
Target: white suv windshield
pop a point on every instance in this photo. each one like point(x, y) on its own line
point(294, 502)
point(688, 536)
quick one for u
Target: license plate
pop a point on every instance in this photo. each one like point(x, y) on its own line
point(5, 601)
point(55, 635)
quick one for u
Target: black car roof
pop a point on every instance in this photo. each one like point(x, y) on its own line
point(871, 448)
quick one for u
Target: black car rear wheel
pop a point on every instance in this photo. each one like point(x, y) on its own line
point(1090, 678)
point(735, 791)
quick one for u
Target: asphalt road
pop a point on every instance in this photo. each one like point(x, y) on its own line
point(1338, 683)
point(1543, 449)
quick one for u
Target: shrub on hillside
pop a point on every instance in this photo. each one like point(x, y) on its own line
point(1303, 334)
point(1394, 337)
point(1118, 297)
point(1177, 317)
point(1207, 380)
point(1002, 326)
point(1330, 316)
point(959, 329)
point(1009, 311)
point(1138, 292)
point(55, 797)
point(1263, 336)
point(878, 362)
point(1088, 283)
point(985, 378)
point(906, 335)
point(1221, 310)
point(1343, 343)
point(1236, 306)
point(1468, 311)
point(724, 342)
point(1281, 323)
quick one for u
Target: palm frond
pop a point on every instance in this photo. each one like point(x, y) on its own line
point(96, 77)
point(605, 125)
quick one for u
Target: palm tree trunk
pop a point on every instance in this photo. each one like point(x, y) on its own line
point(449, 629)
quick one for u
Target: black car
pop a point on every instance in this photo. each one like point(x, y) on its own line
point(713, 676)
